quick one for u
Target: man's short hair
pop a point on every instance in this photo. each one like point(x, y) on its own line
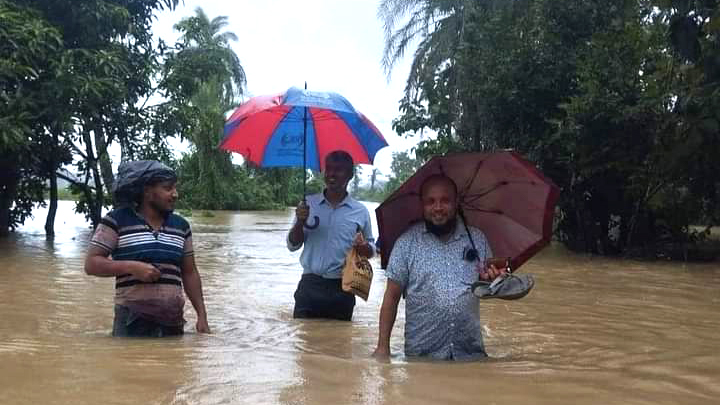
point(435, 179)
point(340, 156)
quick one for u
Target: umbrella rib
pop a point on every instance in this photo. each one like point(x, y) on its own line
point(317, 116)
point(478, 209)
point(477, 196)
point(472, 178)
point(469, 200)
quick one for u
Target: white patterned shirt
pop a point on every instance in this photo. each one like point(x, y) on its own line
point(442, 319)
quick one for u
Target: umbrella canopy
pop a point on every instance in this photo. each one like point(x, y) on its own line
point(299, 128)
point(500, 193)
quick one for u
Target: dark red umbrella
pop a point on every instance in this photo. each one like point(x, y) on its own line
point(500, 193)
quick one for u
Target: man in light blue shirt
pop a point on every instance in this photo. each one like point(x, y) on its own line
point(342, 223)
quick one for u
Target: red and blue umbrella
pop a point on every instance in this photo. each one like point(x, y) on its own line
point(299, 128)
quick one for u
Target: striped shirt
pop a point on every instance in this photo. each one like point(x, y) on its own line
point(125, 235)
point(442, 319)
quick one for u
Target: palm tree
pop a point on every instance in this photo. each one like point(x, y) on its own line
point(205, 55)
point(437, 24)
point(205, 79)
point(434, 73)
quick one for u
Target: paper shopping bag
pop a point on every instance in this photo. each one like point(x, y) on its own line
point(357, 275)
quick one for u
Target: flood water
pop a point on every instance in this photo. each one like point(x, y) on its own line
point(593, 331)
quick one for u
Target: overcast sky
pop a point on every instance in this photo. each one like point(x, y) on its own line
point(334, 45)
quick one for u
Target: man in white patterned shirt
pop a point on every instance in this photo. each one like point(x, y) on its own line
point(429, 267)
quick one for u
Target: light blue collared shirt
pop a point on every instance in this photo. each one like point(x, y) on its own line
point(327, 245)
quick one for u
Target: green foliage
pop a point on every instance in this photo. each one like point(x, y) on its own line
point(403, 166)
point(617, 102)
point(431, 93)
point(73, 74)
point(65, 194)
point(29, 52)
point(244, 187)
point(28, 44)
point(202, 78)
point(204, 54)
point(368, 194)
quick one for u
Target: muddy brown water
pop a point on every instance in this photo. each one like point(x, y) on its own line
point(594, 331)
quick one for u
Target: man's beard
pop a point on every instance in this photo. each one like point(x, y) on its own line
point(162, 210)
point(441, 230)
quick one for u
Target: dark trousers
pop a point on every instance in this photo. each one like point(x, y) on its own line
point(128, 323)
point(318, 297)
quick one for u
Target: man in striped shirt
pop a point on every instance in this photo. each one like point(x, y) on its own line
point(148, 249)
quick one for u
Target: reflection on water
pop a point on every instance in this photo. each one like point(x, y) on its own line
point(594, 331)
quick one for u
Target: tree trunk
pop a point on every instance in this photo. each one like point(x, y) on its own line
point(99, 199)
point(6, 199)
point(103, 158)
point(8, 187)
point(4, 217)
point(52, 209)
point(95, 202)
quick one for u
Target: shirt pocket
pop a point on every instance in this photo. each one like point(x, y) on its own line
point(347, 229)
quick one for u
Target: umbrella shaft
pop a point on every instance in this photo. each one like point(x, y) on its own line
point(304, 152)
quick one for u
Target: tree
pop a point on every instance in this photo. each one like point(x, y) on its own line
point(203, 79)
point(356, 180)
point(432, 84)
point(203, 54)
point(373, 178)
point(403, 166)
point(694, 33)
point(91, 92)
point(616, 102)
point(608, 135)
point(29, 53)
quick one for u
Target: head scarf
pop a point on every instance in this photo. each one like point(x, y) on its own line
point(134, 175)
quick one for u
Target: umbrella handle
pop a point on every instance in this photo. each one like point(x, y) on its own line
point(315, 224)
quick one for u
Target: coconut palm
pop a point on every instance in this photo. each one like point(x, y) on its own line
point(205, 55)
point(437, 27)
point(437, 24)
point(204, 79)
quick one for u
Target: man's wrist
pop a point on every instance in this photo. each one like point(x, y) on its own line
point(133, 267)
